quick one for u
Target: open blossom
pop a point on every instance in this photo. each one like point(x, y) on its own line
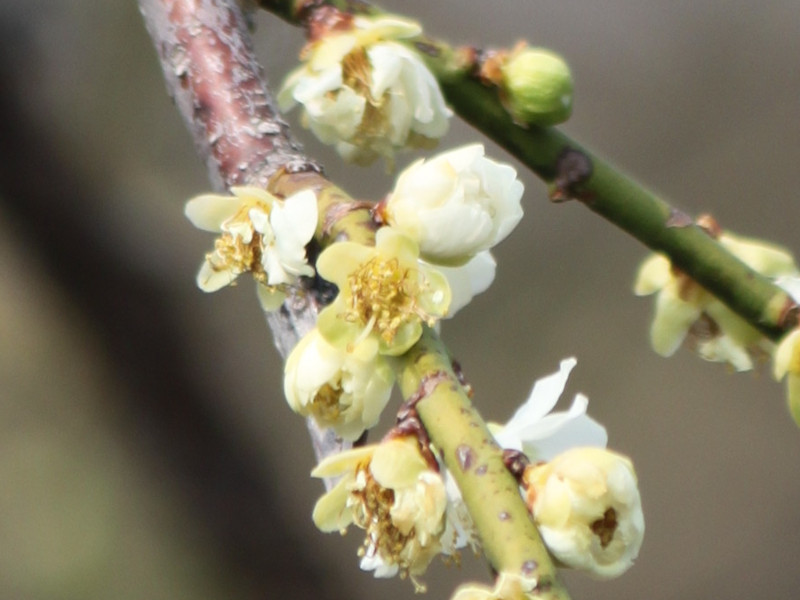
point(365, 92)
point(385, 293)
point(684, 309)
point(260, 234)
point(508, 586)
point(400, 500)
point(587, 507)
point(456, 204)
point(542, 434)
point(345, 391)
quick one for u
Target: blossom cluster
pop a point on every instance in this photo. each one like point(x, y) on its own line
point(364, 91)
point(339, 373)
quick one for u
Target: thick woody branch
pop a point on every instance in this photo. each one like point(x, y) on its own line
point(218, 87)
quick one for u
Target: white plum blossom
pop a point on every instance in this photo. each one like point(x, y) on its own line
point(684, 310)
point(365, 92)
point(455, 204)
point(343, 390)
point(542, 434)
point(260, 234)
point(588, 509)
point(398, 497)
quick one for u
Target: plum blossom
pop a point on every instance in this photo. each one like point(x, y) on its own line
point(686, 311)
point(542, 434)
point(260, 234)
point(392, 492)
point(588, 509)
point(385, 293)
point(365, 92)
point(346, 391)
point(455, 204)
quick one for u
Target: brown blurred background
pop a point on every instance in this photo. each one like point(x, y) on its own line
point(145, 447)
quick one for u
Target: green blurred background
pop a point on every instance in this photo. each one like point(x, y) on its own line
point(145, 448)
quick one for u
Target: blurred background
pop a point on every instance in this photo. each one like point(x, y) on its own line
point(146, 450)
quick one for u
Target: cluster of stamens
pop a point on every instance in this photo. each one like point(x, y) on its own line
point(232, 253)
point(384, 296)
point(326, 403)
point(605, 526)
point(372, 505)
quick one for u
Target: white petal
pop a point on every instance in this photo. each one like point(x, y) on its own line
point(209, 212)
point(210, 279)
point(469, 280)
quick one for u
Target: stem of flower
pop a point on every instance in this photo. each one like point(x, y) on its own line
point(510, 539)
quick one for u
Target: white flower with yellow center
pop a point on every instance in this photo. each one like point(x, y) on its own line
point(392, 492)
point(260, 234)
point(345, 391)
point(587, 507)
point(542, 434)
point(508, 586)
point(456, 204)
point(366, 93)
point(385, 293)
point(684, 309)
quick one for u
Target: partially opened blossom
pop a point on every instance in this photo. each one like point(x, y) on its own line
point(343, 390)
point(684, 310)
point(391, 491)
point(365, 92)
point(385, 293)
point(260, 234)
point(508, 586)
point(542, 434)
point(456, 204)
point(587, 507)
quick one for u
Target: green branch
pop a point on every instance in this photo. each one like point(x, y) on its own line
point(510, 539)
point(572, 172)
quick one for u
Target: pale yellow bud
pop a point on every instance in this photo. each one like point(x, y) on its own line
point(587, 507)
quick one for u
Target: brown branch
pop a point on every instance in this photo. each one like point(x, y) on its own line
point(219, 89)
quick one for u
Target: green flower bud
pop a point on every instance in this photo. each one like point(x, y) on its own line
point(538, 86)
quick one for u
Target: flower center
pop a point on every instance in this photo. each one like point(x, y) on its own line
point(373, 505)
point(240, 247)
point(326, 403)
point(384, 297)
point(605, 526)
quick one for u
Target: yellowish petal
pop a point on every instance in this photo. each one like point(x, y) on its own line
point(653, 275)
point(397, 463)
point(331, 512)
point(343, 462)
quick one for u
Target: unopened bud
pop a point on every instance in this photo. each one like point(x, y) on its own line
point(538, 84)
